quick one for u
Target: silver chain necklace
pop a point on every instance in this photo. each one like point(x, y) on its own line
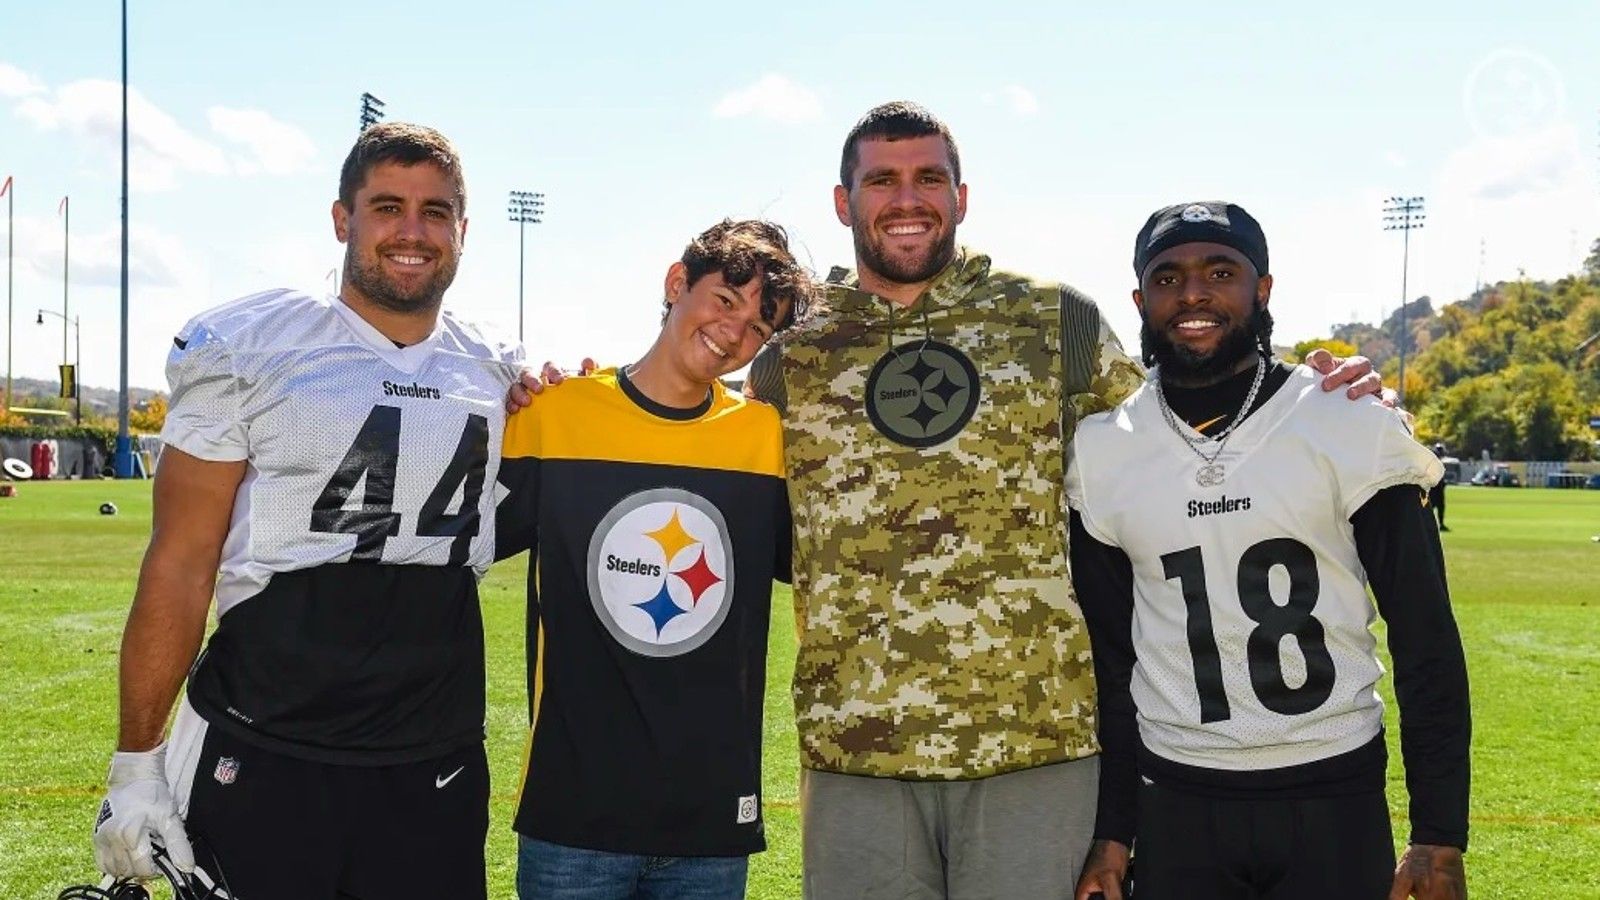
point(1211, 473)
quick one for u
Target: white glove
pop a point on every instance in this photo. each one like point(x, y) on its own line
point(139, 806)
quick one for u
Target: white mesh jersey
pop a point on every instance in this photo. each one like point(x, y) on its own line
point(1251, 619)
point(348, 622)
point(355, 445)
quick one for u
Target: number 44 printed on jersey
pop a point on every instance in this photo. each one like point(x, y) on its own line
point(374, 457)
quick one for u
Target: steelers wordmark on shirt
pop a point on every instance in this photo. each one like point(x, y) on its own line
point(661, 571)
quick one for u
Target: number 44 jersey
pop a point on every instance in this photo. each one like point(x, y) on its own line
point(348, 622)
point(1251, 620)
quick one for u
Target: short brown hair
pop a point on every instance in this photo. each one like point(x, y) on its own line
point(753, 248)
point(403, 143)
point(894, 121)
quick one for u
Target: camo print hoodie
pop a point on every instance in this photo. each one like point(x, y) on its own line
point(939, 635)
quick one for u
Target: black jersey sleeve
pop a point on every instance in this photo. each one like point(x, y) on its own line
point(1102, 577)
point(516, 528)
point(1399, 546)
point(516, 519)
point(783, 558)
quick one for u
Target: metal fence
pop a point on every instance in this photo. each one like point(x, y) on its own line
point(1533, 473)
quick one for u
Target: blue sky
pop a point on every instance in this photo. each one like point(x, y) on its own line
point(643, 123)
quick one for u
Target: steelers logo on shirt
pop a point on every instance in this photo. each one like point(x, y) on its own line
point(661, 571)
point(922, 393)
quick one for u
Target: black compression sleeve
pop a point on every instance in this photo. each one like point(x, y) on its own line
point(1102, 577)
point(783, 561)
point(517, 515)
point(1399, 546)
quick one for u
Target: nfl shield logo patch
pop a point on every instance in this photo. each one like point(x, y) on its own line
point(227, 770)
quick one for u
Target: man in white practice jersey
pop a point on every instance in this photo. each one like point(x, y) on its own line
point(1228, 519)
point(335, 457)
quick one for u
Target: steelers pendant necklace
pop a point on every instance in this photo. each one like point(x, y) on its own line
point(1211, 473)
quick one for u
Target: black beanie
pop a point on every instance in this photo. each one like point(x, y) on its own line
point(1213, 222)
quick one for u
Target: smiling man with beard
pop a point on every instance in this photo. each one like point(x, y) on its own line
point(943, 687)
point(330, 456)
point(1228, 519)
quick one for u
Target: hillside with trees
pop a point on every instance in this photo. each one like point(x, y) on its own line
point(147, 408)
point(1514, 369)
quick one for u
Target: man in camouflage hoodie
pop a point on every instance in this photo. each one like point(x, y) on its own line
point(944, 690)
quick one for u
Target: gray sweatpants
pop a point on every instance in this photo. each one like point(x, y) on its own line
point(1018, 836)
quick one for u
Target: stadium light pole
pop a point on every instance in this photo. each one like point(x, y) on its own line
point(11, 199)
point(371, 111)
point(524, 208)
point(122, 457)
point(64, 210)
point(1402, 214)
point(77, 357)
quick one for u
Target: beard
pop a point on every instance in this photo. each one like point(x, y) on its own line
point(368, 277)
point(1181, 365)
point(872, 254)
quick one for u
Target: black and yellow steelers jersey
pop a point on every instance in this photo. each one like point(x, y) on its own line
point(656, 534)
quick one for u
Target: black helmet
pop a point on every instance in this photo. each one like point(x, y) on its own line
point(206, 882)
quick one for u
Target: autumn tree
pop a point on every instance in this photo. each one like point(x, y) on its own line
point(150, 416)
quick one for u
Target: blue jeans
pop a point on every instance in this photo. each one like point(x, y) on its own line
point(547, 871)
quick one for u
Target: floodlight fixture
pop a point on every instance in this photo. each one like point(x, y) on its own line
point(371, 110)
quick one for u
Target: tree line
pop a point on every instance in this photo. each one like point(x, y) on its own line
point(1513, 370)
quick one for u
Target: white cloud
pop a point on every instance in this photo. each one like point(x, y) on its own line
point(1505, 168)
point(1528, 200)
point(274, 147)
point(16, 83)
point(155, 258)
point(1014, 97)
point(159, 147)
point(773, 97)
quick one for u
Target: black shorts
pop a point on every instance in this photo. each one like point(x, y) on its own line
point(288, 829)
point(1322, 848)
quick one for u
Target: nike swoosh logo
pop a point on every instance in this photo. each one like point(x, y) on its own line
point(440, 782)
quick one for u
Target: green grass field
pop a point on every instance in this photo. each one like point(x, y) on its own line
point(1524, 573)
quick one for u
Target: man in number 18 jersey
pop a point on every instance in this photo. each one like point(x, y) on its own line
point(330, 465)
point(1228, 519)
